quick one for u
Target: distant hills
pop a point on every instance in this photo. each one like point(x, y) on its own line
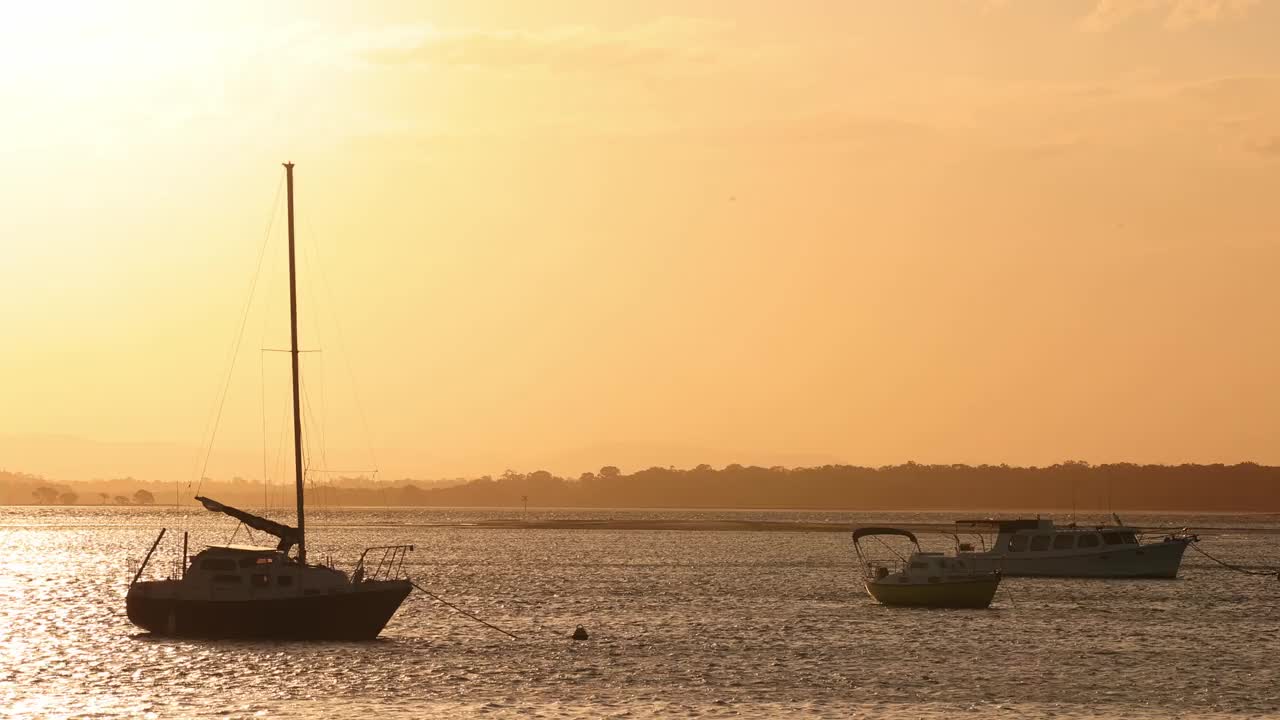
point(1244, 487)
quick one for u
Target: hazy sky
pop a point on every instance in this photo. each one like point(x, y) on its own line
point(565, 233)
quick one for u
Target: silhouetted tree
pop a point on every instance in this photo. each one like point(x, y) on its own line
point(121, 500)
point(45, 495)
point(68, 498)
point(609, 472)
point(142, 497)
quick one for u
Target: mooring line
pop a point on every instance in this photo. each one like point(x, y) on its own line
point(1237, 568)
point(441, 600)
point(1009, 594)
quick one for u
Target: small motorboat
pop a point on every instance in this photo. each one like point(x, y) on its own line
point(922, 579)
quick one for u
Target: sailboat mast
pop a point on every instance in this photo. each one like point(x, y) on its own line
point(297, 404)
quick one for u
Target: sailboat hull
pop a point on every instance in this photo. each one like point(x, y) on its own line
point(358, 614)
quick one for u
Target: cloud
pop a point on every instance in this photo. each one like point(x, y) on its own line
point(1107, 14)
point(671, 41)
point(1177, 14)
point(1240, 92)
point(990, 6)
point(1193, 12)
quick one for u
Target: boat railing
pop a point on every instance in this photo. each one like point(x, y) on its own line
point(384, 562)
point(169, 570)
point(135, 567)
point(877, 569)
point(1183, 536)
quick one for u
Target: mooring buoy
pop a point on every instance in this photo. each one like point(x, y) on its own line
point(580, 633)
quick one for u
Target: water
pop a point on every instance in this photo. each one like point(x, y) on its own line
point(683, 624)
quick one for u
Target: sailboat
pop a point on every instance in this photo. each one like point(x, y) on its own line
point(238, 591)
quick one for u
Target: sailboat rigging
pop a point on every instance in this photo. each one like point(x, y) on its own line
point(255, 592)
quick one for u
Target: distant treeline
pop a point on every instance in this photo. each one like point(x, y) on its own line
point(1245, 487)
point(1127, 486)
point(25, 489)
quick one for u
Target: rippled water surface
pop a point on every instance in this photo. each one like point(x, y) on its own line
point(683, 623)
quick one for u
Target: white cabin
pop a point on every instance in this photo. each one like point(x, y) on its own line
point(1039, 547)
point(242, 572)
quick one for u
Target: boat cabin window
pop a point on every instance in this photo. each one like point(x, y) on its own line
point(254, 561)
point(227, 579)
point(1112, 538)
point(1018, 543)
point(1040, 542)
point(217, 564)
point(1090, 540)
point(1128, 538)
point(285, 580)
point(1065, 541)
point(917, 565)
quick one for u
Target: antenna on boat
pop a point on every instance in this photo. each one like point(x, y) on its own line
point(293, 354)
point(1073, 502)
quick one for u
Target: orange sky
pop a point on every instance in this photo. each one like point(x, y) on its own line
point(568, 233)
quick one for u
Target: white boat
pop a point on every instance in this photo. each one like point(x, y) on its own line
point(1039, 548)
point(923, 579)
